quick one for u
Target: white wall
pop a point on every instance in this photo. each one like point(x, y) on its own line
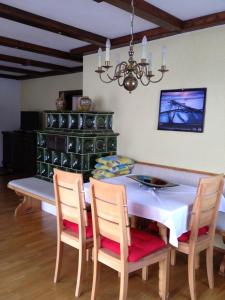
point(41, 93)
point(195, 59)
point(9, 107)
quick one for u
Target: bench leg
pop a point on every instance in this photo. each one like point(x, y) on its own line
point(28, 205)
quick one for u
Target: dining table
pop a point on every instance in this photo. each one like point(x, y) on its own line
point(169, 206)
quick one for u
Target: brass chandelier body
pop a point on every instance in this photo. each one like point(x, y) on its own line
point(129, 73)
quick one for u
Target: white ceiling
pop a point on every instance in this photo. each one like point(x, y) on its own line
point(99, 18)
point(188, 9)
point(34, 35)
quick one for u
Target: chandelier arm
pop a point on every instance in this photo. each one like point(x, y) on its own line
point(103, 80)
point(145, 83)
point(158, 80)
point(138, 71)
point(119, 81)
point(111, 78)
point(123, 67)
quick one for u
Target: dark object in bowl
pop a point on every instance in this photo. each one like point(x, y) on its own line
point(152, 182)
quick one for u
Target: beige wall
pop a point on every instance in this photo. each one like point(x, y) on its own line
point(195, 59)
point(40, 94)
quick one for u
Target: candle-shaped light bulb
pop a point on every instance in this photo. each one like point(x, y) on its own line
point(144, 44)
point(150, 68)
point(107, 50)
point(164, 52)
point(99, 57)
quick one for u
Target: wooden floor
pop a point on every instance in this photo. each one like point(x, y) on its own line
point(27, 258)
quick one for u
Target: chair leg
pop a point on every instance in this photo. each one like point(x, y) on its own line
point(164, 270)
point(58, 264)
point(197, 261)
point(96, 276)
point(173, 257)
point(88, 255)
point(145, 273)
point(209, 265)
point(123, 284)
point(80, 272)
point(191, 275)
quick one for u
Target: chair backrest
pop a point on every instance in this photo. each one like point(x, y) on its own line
point(69, 196)
point(206, 205)
point(110, 214)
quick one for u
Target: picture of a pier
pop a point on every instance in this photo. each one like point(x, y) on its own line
point(182, 110)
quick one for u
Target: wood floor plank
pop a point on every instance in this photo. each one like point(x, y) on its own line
point(27, 261)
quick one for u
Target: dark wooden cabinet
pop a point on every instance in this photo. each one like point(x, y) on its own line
point(19, 151)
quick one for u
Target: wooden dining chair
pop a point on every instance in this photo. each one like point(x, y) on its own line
point(201, 229)
point(74, 225)
point(120, 247)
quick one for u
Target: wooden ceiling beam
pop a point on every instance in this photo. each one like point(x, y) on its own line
point(151, 34)
point(149, 12)
point(27, 18)
point(158, 33)
point(13, 43)
point(8, 76)
point(34, 63)
point(84, 50)
point(19, 70)
point(204, 22)
point(51, 73)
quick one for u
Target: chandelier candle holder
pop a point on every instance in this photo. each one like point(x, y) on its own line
point(129, 73)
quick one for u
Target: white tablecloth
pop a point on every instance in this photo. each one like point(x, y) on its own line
point(169, 206)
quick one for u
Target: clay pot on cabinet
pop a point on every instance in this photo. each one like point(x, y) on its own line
point(84, 103)
point(60, 103)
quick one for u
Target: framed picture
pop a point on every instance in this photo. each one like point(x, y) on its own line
point(182, 110)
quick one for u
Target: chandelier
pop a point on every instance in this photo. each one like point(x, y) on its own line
point(128, 74)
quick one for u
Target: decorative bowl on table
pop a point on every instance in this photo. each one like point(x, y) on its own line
point(152, 182)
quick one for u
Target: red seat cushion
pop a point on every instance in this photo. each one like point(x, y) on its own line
point(185, 236)
point(142, 244)
point(74, 227)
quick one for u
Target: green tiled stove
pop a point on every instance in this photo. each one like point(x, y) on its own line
point(73, 140)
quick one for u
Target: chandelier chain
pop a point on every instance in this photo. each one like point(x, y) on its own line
point(132, 22)
point(129, 73)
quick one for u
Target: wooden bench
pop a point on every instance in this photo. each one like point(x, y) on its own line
point(32, 189)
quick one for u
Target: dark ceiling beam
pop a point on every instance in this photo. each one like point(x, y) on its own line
point(19, 70)
point(151, 34)
point(149, 12)
point(12, 43)
point(158, 33)
point(85, 49)
point(24, 17)
point(34, 63)
point(51, 73)
point(205, 22)
point(7, 76)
